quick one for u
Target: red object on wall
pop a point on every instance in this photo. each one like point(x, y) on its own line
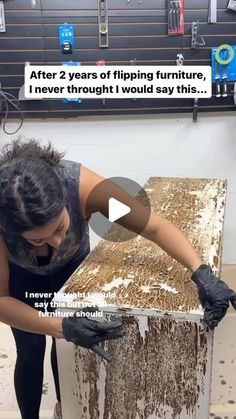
point(175, 17)
point(101, 62)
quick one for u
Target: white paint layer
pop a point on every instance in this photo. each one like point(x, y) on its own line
point(143, 326)
point(115, 283)
point(168, 288)
point(145, 288)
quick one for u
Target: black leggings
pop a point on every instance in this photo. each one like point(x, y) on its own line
point(28, 375)
point(30, 347)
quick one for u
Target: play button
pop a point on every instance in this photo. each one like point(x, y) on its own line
point(123, 209)
point(117, 210)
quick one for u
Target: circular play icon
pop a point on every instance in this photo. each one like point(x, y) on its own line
point(122, 209)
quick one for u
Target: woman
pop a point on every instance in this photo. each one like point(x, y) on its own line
point(45, 204)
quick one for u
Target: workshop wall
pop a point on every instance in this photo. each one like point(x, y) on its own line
point(146, 145)
point(137, 30)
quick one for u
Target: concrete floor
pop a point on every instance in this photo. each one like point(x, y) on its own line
point(223, 398)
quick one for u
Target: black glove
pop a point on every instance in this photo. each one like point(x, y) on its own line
point(214, 295)
point(88, 333)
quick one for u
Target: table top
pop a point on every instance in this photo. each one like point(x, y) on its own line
point(138, 274)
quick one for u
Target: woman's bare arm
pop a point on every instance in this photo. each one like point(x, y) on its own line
point(157, 229)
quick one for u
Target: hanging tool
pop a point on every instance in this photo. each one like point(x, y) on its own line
point(232, 5)
point(76, 99)
point(175, 17)
point(212, 11)
point(196, 39)
point(21, 93)
point(103, 23)
point(170, 18)
point(2, 18)
point(224, 78)
point(102, 62)
point(234, 92)
point(133, 62)
point(7, 99)
point(195, 109)
point(224, 54)
point(66, 38)
point(217, 80)
point(179, 59)
point(224, 81)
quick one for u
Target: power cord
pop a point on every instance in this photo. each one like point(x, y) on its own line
point(7, 98)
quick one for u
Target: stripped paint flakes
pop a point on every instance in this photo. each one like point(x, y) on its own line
point(145, 288)
point(198, 310)
point(142, 382)
point(168, 288)
point(94, 271)
point(116, 282)
point(95, 299)
point(196, 206)
point(161, 368)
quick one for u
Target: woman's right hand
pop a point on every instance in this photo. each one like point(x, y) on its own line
point(88, 333)
point(214, 295)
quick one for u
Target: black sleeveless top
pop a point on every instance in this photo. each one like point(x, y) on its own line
point(76, 243)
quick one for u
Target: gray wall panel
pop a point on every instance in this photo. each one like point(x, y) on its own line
point(136, 30)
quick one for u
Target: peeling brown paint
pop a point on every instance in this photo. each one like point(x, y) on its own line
point(181, 201)
point(157, 376)
point(161, 368)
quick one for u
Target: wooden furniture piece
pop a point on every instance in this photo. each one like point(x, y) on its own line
point(162, 367)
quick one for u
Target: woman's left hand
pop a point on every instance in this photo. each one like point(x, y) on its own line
point(214, 295)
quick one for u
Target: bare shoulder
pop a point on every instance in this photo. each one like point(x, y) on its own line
point(3, 246)
point(88, 181)
point(4, 276)
point(95, 194)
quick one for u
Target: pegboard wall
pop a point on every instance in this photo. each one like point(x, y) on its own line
point(137, 31)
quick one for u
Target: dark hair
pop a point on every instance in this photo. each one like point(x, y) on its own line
point(31, 192)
